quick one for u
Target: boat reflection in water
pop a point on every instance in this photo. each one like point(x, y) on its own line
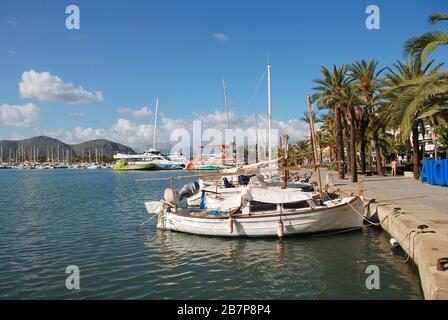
point(318, 267)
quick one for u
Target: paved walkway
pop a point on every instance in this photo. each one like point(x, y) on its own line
point(400, 190)
point(420, 204)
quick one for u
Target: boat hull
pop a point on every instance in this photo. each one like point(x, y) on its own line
point(147, 166)
point(322, 220)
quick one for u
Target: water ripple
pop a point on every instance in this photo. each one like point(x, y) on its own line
point(88, 218)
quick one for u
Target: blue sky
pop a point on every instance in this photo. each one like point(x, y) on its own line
point(134, 51)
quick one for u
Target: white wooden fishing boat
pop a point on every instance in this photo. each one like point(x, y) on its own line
point(263, 212)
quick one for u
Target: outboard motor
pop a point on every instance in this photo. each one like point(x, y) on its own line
point(189, 190)
point(227, 183)
point(243, 180)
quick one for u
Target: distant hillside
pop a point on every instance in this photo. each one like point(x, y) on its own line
point(44, 146)
point(108, 147)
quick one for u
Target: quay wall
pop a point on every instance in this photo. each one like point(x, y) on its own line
point(424, 247)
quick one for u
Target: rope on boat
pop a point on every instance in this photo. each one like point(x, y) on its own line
point(148, 220)
point(376, 224)
point(397, 212)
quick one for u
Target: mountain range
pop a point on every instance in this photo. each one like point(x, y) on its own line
point(44, 147)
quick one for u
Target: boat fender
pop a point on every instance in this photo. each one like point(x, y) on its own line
point(280, 229)
point(230, 225)
point(394, 243)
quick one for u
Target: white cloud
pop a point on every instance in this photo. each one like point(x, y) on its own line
point(221, 36)
point(139, 136)
point(19, 115)
point(140, 113)
point(215, 117)
point(11, 51)
point(47, 87)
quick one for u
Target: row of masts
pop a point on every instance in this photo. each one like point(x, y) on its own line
point(54, 154)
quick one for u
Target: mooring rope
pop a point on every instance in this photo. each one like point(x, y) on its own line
point(146, 221)
point(377, 224)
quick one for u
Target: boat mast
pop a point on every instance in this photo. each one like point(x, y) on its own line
point(155, 125)
point(269, 113)
point(227, 119)
point(225, 103)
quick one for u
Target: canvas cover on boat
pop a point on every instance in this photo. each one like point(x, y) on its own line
point(278, 195)
point(265, 195)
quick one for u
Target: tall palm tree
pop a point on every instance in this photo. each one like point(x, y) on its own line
point(365, 74)
point(329, 91)
point(376, 124)
point(350, 100)
point(413, 88)
point(422, 46)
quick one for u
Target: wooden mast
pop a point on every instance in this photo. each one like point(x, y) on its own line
point(313, 141)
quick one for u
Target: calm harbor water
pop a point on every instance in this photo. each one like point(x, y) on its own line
point(50, 219)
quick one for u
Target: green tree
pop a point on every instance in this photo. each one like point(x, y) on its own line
point(328, 95)
point(366, 77)
point(410, 91)
point(422, 46)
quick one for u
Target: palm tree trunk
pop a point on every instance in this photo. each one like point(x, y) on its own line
point(348, 148)
point(353, 167)
point(415, 151)
point(379, 160)
point(340, 146)
point(363, 148)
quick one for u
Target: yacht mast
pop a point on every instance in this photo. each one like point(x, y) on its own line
point(155, 125)
point(227, 119)
point(225, 103)
point(269, 113)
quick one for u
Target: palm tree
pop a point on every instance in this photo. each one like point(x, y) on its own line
point(422, 46)
point(329, 91)
point(413, 88)
point(365, 74)
point(329, 132)
point(350, 100)
point(307, 119)
point(324, 140)
point(299, 151)
point(375, 124)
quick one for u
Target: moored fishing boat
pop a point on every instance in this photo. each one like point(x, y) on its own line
point(262, 212)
